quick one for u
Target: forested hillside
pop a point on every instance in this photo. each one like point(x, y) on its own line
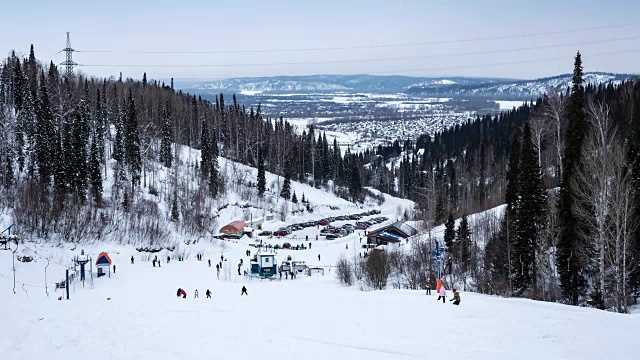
point(84, 153)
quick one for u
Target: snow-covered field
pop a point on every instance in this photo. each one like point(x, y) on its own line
point(305, 318)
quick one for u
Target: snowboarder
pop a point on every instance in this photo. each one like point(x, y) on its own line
point(318, 257)
point(244, 291)
point(208, 293)
point(428, 287)
point(195, 294)
point(442, 294)
point(132, 260)
point(209, 262)
point(456, 297)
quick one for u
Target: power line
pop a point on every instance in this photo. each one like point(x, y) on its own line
point(371, 59)
point(438, 42)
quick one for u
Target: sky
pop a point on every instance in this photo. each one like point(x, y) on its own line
point(245, 38)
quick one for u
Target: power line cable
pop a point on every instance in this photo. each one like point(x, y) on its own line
point(370, 59)
point(21, 283)
point(438, 42)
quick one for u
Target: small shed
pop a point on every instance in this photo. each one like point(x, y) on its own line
point(234, 229)
point(264, 265)
point(103, 263)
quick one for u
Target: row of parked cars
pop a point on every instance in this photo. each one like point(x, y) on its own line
point(331, 232)
point(288, 230)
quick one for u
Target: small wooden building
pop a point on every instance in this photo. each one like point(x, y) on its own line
point(391, 234)
point(235, 229)
point(103, 263)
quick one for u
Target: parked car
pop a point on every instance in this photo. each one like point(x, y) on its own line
point(286, 246)
point(361, 226)
point(324, 222)
point(354, 217)
point(265, 233)
point(331, 236)
point(282, 232)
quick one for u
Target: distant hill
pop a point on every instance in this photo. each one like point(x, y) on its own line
point(454, 86)
point(522, 89)
point(324, 84)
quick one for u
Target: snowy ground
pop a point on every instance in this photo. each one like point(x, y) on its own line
point(305, 318)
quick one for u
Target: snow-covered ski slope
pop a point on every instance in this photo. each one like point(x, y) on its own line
point(306, 318)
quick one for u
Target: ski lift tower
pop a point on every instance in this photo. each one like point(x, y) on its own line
point(6, 239)
point(82, 260)
point(438, 256)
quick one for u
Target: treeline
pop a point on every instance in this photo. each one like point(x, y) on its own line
point(568, 170)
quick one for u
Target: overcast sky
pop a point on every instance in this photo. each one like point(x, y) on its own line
point(206, 25)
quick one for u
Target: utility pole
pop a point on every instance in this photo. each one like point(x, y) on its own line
point(69, 63)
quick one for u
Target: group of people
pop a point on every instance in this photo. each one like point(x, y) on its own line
point(443, 294)
point(181, 293)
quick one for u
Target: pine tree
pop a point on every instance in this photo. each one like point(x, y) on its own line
point(355, 183)
point(125, 202)
point(304, 201)
point(118, 146)
point(94, 173)
point(572, 282)
point(175, 215)
point(285, 192)
point(61, 181)
point(294, 199)
point(463, 244)
point(99, 133)
point(8, 176)
point(205, 150)
point(166, 155)
point(44, 135)
point(450, 232)
point(262, 180)
point(213, 169)
point(131, 140)
point(80, 157)
point(529, 215)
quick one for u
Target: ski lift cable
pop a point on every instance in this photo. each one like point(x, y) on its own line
point(21, 283)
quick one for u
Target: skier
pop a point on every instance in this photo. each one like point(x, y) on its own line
point(168, 259)
point(154, 262)
point(114, 269)
point(443, 294)
point(244, 291)
point(309, 246)
point(318, 257)
point(131, 259)
point(179, 292)
point(209, 262)
point(208, 293)
point(221, 258)
point(307, 237)
point(428, 289)
point(195, 295)
point(456, 297)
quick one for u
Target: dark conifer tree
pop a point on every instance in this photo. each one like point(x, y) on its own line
point(205, 150)
point(569, 263)
point(463, 244)
point(529, 215)
point(175, 215)
point(450, 232)
point(213, 168)
point(94, 172)
point(285, 192)
point(262, 180)
point(118, 146)
point(294, 199)
point(166, 155)
point(45, 132)
point(79, 156)
point(132, 141)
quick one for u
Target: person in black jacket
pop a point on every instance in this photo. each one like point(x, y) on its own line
point(244, 291)
point(208, 293)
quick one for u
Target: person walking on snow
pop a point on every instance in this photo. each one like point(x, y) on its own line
point(208, 293)
point(209, 262)
point(195, 295)
point(131, 259)
point(428, 289)
point(442, 294)
point(318, 257)
point(456, 297)
point(168, 259)
point(244, 291)
point(114, 269)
